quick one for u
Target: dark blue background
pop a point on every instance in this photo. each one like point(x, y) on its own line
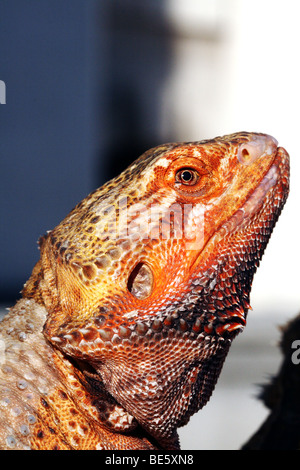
point(83, 81)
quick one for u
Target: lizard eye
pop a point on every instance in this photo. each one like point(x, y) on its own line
point(187, 176)
point(140, 281)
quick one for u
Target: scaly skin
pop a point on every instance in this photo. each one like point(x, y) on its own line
point(127, 317)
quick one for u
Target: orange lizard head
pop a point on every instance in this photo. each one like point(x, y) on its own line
point(148, 278)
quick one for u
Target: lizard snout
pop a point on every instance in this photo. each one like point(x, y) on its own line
point(258, 146)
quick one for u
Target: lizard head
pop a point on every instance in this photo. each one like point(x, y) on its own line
point(148, 278)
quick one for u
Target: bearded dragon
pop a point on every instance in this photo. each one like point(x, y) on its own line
point(127, 318)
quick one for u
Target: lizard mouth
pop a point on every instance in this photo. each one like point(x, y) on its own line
point(275, 177)
point(272, 187)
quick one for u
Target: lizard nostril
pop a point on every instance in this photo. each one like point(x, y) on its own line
point(245, 154)
point(140, 281)
point(258, 146)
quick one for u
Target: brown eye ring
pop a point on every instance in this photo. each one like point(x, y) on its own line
point(187, 176)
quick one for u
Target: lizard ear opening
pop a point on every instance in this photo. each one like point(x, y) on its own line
point(140, 281)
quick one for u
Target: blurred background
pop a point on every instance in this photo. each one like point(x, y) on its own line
point(91, 84)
